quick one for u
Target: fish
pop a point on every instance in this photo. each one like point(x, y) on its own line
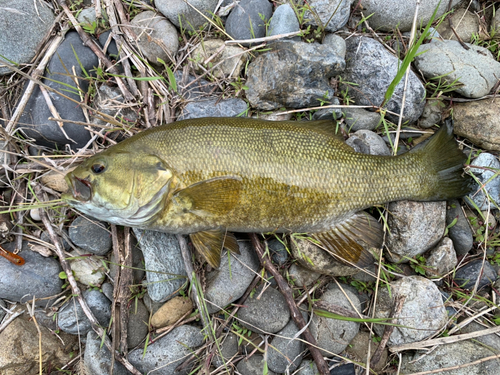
point(211, 177)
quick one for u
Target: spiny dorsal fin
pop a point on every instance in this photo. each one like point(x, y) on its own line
point(350, 240)
point(210, 245)
point(217, 195)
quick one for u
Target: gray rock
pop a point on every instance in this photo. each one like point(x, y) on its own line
point(46, 318)
point(286, 351)
point(168, 352)
point(458, 354)
point(87, 16)
point(248, 19)
point(479, 122)
point(368, 142)
point(37, 278)
point(372, 68)
point(329, 113)
point(442, 259)
point(307, 367)
point(389, 14)
point(138, 318)
point(475, 70)
point(34, 120)
point(460, 233)
point(432, 114)
point(423, 312)
point(187, 89)
point(157, 38)
point(97, 358)
point(165, 272)
point(110, 101)
point(292, 74)
point(46, 238)
point(487, 175)
point(491, 340)
point(2, 311)
point(331, 335)
point(151, 305)
point(336, 42)
point(359, 118)
point(22, 27)
point(112, 50)
point(226, 60)
point(108, 289)
point(232, 279)
point(302, 276)
point(284, 21)
point(178, 11)
point(232, 107)
point(358, 348)
point(229, 347)
point(279, 252)
point(72, 319)
point(466, 276)
point(465, 23)
point(415, 227)
point(265, 312)
point(252, 366)
point(333, 14)
point(88, 270)
point(90, 235)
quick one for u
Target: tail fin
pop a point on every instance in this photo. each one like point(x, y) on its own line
point(445, 161)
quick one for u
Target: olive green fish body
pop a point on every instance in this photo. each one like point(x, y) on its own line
point(248, 175)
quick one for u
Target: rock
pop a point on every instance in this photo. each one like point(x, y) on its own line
point(89, 270)
point(157, 38)
point(432, 115)
point(465, 23)
point(87, 16)
point(112, 49)
point(248, 19)
point(479, 122)
point(178, 11)
point(336, 42)
point(228, 348)
point(318, 260)
point(442, 259)
point(284, 21)
point(110, 101)
point(168, 352)
point(138, 317)
point(231, 280)
point(34, 120)
point(97, 358)
point(23, 25)
point(487, 175)
point(458, 355)
point(415, 227)
point(333, 14)
point(54, 181)
point(20, 348)
point(138, 271)
point(307, 367)
point(491, 340)
point(359, 118)
point(91, 235)
point(372, 68)
point(466, 276)
point(72, 319)
point(368, 142)
point(165, 272)
point(328, 113)
point(302, 276)
point(151, 305)
point(192, 88)
point(389, 14)
point(264, 312)
point(228, 61)
point(2, 311)
point(37, 278)
point(171, 312)
point(279, 252)
point(253, 366)
point(108, 289)
point(460, 233)
point(286, 351)
point(358, 348)
point(292, 74)
point(331, 335)
point(474, 71)
point(422, 315)
point(232, 107)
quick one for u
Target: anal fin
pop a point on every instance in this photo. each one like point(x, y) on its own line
point(210, 245)
point(350, 240)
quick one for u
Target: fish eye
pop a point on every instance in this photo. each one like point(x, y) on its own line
point(98, 168)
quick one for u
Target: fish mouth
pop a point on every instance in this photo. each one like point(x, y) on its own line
point(80, 189)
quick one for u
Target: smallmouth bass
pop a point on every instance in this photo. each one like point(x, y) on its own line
point(209, 177)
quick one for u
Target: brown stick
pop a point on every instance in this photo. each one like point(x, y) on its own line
point(294, 311)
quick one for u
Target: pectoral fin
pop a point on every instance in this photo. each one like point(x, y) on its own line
point(217, 196)
point(350, 240)
point(210, 245)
